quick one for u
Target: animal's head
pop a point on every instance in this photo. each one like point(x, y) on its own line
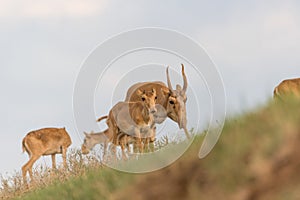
point(149, 99)
point(176, 105)
point(88, 143)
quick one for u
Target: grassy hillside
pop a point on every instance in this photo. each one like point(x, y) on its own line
point(257, 157)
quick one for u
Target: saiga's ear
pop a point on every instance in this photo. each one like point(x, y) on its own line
point(165, 91)
point(86, 134)
point(139, 92)
point(153, 90)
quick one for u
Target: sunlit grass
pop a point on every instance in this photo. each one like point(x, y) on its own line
point(249, 148)
point(81, 169)
point(78, 165)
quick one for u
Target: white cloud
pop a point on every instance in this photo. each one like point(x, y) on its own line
point(31, 9)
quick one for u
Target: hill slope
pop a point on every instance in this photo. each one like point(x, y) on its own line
point(257, 157)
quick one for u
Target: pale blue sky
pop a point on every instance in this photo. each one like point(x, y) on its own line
point(255, 45)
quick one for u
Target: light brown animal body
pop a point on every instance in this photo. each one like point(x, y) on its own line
point(288, 88)
point(92, 139)
point(147, 139)
point(170, 103)
point(46, 141)
point(132, 118)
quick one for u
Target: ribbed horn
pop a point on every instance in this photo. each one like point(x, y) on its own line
point(168, 80)
point(185, 84)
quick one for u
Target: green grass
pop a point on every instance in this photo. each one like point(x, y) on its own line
point(98, 184)
point(246, 139)
point(248, 148)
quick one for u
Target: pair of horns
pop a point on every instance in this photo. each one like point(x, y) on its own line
point(183, 76)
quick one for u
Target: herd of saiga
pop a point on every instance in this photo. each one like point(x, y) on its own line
point(131, 121)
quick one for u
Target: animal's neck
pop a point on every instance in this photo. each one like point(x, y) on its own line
point(146, 114)
point(140, 108)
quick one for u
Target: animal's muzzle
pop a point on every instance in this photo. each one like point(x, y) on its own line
point(154, 110)
point(182, 123)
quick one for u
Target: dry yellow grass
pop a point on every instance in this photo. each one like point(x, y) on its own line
point(78, 165)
